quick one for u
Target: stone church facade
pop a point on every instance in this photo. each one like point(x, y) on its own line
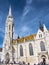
point(30, 49)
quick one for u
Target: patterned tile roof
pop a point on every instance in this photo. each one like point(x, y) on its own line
point(26, 38)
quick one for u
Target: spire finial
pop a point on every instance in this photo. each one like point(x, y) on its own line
point(10, 13)
point(18, 37)
point(41, 26)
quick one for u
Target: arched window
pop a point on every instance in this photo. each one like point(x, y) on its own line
point(42, 46)
point(21, 50)
point(30, 49)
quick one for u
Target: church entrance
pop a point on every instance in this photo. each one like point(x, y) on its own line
point(43, 57)
point(7, 58)
point(43, 60)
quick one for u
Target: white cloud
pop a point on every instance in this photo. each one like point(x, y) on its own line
point(0, 45)
point(28, 1)
point(1, 18)
point(27, 8)
point(24, 29)
point(25, 12)
point(15, 34)
point(2, 31)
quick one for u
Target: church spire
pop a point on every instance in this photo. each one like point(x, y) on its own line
point(10, 12)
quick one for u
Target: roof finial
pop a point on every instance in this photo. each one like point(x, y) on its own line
point(10, 13)
point(18, 37)
point(41, 26)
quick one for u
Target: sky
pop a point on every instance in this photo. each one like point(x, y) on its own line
point(26, 14)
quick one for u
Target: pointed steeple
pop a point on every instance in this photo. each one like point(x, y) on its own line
point(18, 37)
point(10, 12)
point(41, 26)
point(45, 29)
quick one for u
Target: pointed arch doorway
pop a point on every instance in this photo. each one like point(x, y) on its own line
point(42, 59)
point(7, 58)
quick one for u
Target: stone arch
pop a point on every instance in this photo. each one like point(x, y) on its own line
point(42, 57)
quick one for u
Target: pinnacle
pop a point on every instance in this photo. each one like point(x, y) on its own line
point(10, 12)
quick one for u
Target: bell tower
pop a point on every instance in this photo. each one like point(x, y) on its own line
point(9, 25)
point(7, 43)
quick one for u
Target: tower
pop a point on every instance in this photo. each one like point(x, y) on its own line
point(7, 43)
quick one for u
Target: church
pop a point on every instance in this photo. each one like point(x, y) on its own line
point(29, 49)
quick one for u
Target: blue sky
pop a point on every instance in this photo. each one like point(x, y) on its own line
point(26, 14)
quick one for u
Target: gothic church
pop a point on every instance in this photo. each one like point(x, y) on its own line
point(30, 49)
